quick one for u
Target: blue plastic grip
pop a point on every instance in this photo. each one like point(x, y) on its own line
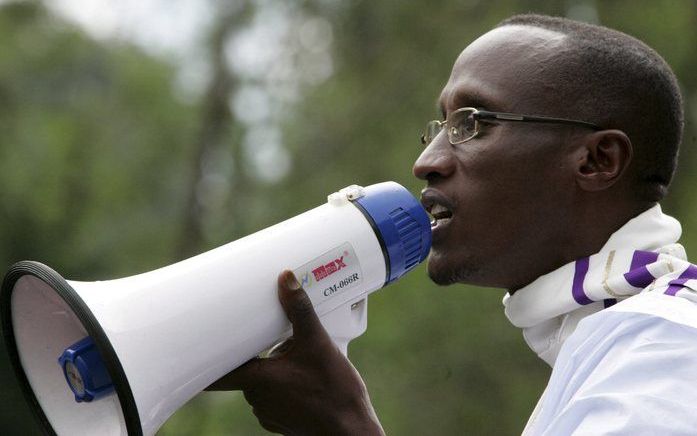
point(84, 371)
point(401, 223)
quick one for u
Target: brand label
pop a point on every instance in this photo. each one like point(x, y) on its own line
point(330, 274)
point(323, 271)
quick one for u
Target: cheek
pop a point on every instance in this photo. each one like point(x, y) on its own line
point(510, 193)
point(501, 181)
point(530, 167)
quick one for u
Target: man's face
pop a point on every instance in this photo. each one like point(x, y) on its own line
point(510, 189)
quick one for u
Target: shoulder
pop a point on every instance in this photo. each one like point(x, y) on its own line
point(677, 309)
point(631, 368)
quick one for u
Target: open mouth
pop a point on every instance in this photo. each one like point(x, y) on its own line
point(438, 207)
point(439, 214)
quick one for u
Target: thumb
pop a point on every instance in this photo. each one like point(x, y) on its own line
point(299, 310)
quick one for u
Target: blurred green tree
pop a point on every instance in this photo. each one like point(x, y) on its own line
point(93, 147)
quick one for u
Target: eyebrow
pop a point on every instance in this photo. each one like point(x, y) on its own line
point(467, 98)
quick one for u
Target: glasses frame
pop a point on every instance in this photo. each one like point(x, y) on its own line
point(478, 114)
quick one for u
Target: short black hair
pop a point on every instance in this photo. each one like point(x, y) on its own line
point(616, 81)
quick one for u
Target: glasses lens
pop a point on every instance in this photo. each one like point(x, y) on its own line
point(433, 128)
point(461, 126)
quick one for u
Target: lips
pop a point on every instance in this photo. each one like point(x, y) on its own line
point(437, 206)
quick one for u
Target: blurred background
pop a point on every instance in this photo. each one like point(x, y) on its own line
point(135, 133)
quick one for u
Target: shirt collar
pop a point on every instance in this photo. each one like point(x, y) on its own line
point(549, 308)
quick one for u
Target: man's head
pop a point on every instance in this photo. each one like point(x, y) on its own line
point(528, 197)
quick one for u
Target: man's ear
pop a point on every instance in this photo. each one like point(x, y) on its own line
point(605, 155)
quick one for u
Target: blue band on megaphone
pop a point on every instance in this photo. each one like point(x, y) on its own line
point(401, 224)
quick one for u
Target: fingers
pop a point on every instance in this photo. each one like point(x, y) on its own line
point(298, 308)
point(252, 373)
point(269, 424)
point(307, 329)
point(279, 350)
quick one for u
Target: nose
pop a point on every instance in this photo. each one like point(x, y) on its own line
point(436, 161)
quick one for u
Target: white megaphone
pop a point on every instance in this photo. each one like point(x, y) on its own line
point(121, 356)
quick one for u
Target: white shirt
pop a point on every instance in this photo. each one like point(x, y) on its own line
point(630, 368)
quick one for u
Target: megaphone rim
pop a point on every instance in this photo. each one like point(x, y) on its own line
point(90, 323)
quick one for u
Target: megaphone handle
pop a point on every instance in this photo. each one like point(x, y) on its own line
point(346, 323)
point(343, 324)
point(342, 344)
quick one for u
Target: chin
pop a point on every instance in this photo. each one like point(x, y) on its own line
point(445, 272)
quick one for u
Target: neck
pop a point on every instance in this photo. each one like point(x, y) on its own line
point(595, 222)
point(590, 226)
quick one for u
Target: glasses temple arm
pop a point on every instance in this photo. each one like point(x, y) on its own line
point(505, 116)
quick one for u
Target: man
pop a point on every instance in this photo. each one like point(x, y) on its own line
point(558, 140)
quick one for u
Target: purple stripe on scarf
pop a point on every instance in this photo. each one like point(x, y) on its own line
point(638, 275)
point(581, 268)
point(675, 285)
point(643, 258)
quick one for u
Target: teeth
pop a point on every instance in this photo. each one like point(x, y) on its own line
point(439, 212)
point(438, 209)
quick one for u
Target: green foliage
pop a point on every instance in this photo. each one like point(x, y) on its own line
point(96, 150)
point(91, 156)
point(92, 150)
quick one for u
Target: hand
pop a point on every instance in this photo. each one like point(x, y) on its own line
point(307, 386)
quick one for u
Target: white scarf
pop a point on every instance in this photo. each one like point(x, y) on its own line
point(637, 254)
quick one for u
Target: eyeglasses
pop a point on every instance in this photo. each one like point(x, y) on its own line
point(463, 124)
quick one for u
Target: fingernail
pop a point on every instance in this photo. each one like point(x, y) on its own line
point(291, 282)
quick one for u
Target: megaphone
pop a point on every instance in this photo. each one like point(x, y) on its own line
point(121, 356)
